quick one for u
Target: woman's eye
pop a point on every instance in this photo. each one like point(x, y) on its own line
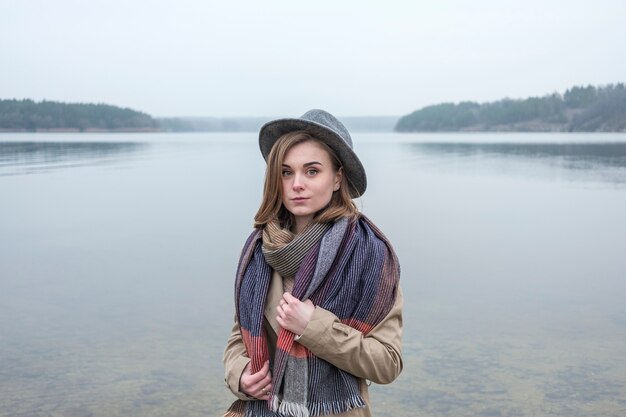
point(286, 173)
point(312, 171)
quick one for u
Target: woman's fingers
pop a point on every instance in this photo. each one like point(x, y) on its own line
point(264, 392)
point(259, 384)
point(288, 298)
point(263, 372)
point(293, 314)
point(261, 389)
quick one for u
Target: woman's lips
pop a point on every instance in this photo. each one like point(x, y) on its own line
point(299, 199)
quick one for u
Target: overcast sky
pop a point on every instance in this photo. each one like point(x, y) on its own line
point(281, 58)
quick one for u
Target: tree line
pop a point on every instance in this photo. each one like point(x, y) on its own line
point(28, 115)
point(579, 109)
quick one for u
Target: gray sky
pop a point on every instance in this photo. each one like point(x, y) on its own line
point(280, 58)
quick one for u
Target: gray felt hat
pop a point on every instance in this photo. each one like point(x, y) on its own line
point(325, 127)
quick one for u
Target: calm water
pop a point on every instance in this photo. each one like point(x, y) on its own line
point(117, 256)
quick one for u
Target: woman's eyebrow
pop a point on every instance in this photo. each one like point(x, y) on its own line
point(307, 164)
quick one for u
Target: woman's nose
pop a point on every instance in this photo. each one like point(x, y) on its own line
point(298, 182)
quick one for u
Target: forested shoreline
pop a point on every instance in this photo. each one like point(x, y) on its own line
point(49, 116)
point(579, 109)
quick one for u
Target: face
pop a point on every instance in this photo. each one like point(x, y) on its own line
point(308, 179)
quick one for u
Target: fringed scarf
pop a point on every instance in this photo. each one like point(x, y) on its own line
point(348, 268)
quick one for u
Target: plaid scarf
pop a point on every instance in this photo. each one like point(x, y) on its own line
point(351, 257)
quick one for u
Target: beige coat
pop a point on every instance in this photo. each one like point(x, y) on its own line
point(375, 357)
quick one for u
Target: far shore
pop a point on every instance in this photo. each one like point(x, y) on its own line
point(88, 130)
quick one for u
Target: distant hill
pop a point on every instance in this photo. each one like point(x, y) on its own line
point(211, 124)
point(579, 109)
point(253, 124)
point(52, 116)
point(46, 116)
point(370, 123)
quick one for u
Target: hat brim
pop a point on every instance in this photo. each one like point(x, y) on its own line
point(353, 169)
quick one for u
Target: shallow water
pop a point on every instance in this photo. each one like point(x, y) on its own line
point(117, 256)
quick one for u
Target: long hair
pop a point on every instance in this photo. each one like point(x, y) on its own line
point(272, 208)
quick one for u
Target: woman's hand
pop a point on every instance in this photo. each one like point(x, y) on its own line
point(257, 385)
point(293, 314)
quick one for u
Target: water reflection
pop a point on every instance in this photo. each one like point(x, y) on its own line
point(605, 162)
point(116, 291)
point(17, 158)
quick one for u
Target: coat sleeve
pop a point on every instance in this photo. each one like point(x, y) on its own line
point(376, 356)
point(235, 360)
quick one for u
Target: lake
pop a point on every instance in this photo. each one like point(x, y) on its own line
point(118, 253)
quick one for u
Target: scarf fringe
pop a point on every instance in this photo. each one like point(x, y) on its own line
point(274, 403)
point(289, 408)
point(337, 407)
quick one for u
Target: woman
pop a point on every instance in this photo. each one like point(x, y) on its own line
point(318, 306)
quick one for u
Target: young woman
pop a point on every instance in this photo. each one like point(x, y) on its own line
point(318, 306)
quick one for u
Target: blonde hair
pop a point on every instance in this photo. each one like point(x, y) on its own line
point(272, 208)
